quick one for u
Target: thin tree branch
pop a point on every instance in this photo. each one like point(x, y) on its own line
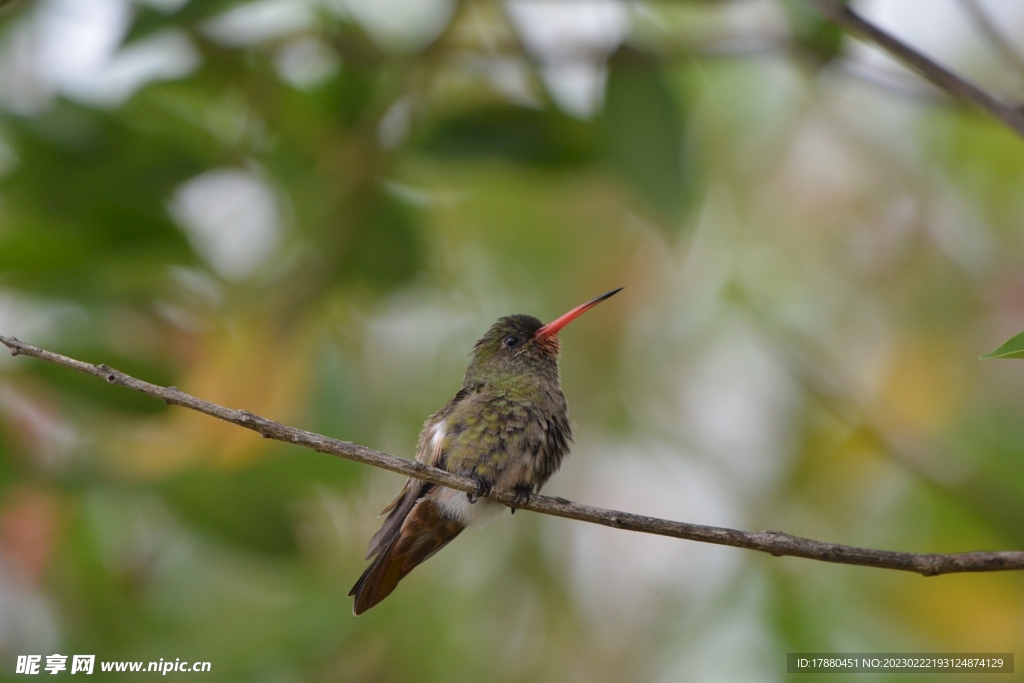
point(853, 23)
point(896, 83)
point(987, 27)
point(772, 542)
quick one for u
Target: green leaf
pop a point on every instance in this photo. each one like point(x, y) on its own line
point(148, 20)
point(1014, 348)
point(643, 132)
point(85, 209)
point(817, 36)
point(383, 247)
point(516, 134)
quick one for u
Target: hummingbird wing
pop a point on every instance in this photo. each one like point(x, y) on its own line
point(429, 451)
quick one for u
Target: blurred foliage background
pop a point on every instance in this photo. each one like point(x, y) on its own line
point(311, 209)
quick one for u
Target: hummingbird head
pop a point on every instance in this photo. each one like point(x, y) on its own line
point(520, 345)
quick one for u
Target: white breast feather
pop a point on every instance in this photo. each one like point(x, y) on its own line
point(457, 505)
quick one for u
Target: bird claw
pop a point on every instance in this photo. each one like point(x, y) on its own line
point(483, 487)
point(520, 496)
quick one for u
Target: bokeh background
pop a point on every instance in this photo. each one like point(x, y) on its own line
point(312, 208)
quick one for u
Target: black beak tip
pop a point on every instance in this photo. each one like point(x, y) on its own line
point(610, 294)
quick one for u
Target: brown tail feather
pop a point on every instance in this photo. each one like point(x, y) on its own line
point(425, 531)
point(399, 509)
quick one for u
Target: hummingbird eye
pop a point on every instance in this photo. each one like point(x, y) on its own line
point(510, 342)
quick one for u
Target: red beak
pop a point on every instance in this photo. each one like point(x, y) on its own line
point(553, 327)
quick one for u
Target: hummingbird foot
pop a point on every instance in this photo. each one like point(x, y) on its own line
point(521, 495)
point(483, 488)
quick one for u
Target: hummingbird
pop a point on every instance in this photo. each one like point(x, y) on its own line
point(506, 428)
